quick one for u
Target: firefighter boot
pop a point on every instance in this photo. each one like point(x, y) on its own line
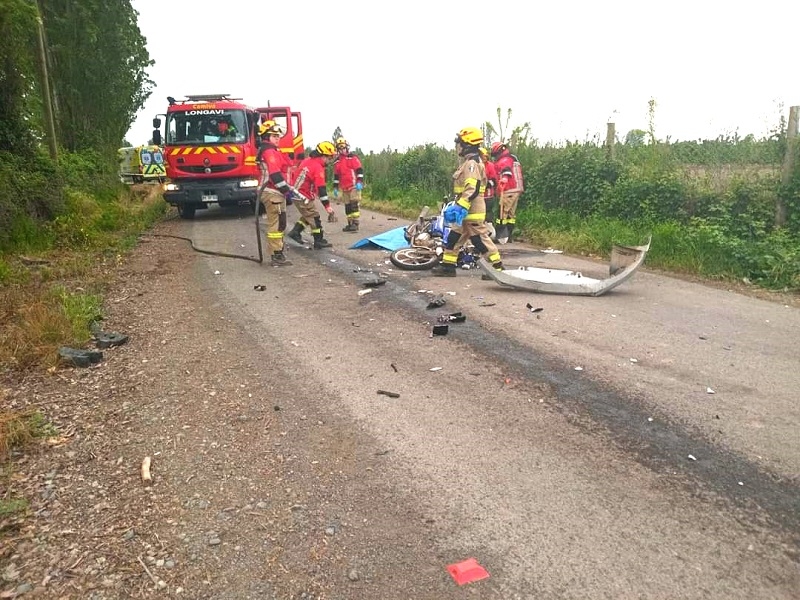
point(320, 242)
point(279, 260)
point(443, 270)
point(351, 227)
point(497, 266)
point(295, 233)
point(510, 229)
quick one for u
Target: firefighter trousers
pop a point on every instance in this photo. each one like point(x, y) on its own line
point(351, 199)
point(309, 215)
point(507, 211)
point(474, 229)
point(275, 204)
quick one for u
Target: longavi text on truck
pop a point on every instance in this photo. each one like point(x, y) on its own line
point(210, 145)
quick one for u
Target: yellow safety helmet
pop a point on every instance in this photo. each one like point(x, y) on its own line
point(484, 152)
point(470, 136)
point(270, 127)
point(342, 143)
point(326, 149)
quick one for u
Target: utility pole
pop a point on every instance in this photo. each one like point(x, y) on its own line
point(789, 164)
point(611, 139)
point(45, 85)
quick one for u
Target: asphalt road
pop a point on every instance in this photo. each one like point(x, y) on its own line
point(643, 444)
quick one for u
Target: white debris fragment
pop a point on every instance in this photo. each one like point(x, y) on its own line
point(741, 483)
point(217, 273)
point(435, 369)
point(579, 368)
point(365, 292)
point(649, 419)
point(691, 457)
point(451, 293)
point(710, 391)
point(634, 360)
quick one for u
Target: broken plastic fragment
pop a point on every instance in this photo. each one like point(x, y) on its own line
point(435, 369)
point(710, 391)
point(441, 329)
point(437, 301)
point(691, 457)
point(579, 368)
point(530, 307)
point(364, 292)
point(390, 394)
point(467, 571)
point(260, 288)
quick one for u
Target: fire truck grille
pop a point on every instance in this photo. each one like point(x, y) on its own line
point(201, 169)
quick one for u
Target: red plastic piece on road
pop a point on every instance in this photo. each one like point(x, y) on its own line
point(467, 571)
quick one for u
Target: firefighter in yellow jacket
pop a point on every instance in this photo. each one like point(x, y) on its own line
point(468, 210)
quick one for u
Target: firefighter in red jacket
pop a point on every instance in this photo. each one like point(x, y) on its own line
point(309, 181)
point(510, 186)
point(275, 191)
point(468, 210)
point(348, 176)
point(491, 183)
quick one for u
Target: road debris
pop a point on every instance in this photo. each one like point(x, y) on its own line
point(373, 283)
point(467, 571)
point(456, 317)
point(533, 309)
point(390, 394)
point(260, 288)
point(435, 369)
point(437, 301)
point(78, 357)
point(441, 329)
point(147, 478)
point(394, 367)
point(691, 457)
point(710, 391)
point(365, 292)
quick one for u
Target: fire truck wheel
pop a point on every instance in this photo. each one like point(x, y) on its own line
point(186, 211)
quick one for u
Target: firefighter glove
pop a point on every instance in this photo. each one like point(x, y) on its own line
point(290, 196)
point(455, 214)
point(331, 215)
point(359, 186)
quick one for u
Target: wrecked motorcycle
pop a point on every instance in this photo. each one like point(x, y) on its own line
point(426, 238)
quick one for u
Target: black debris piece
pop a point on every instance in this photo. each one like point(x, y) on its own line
point(531, 308)
point(441, 329)
point(260, 288)
point(390, 394)
point(394, 366)
point(79, 357)
point(373, 283)
point(437, 301)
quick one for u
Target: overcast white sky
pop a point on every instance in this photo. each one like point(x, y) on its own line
point(400, 74)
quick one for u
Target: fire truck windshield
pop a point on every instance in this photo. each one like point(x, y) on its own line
point(206, 127)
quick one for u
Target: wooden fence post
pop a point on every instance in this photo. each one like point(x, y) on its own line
point(611, 140)
point(789, 163)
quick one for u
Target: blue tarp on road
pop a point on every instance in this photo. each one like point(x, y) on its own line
point(391, 240)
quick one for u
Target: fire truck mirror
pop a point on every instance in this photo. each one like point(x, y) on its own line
point(156, 122)
point(157, 137)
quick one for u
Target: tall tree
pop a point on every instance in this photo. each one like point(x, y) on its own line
point(17, 75)
point(98, 63)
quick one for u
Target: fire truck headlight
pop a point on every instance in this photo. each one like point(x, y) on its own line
point(248, 183)
point(171, 187)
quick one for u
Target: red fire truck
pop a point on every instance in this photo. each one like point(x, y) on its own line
point(210, 145)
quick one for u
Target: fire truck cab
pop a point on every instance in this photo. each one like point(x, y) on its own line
point(210, 145)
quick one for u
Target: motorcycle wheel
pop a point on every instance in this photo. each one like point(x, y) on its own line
point(414, 259)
